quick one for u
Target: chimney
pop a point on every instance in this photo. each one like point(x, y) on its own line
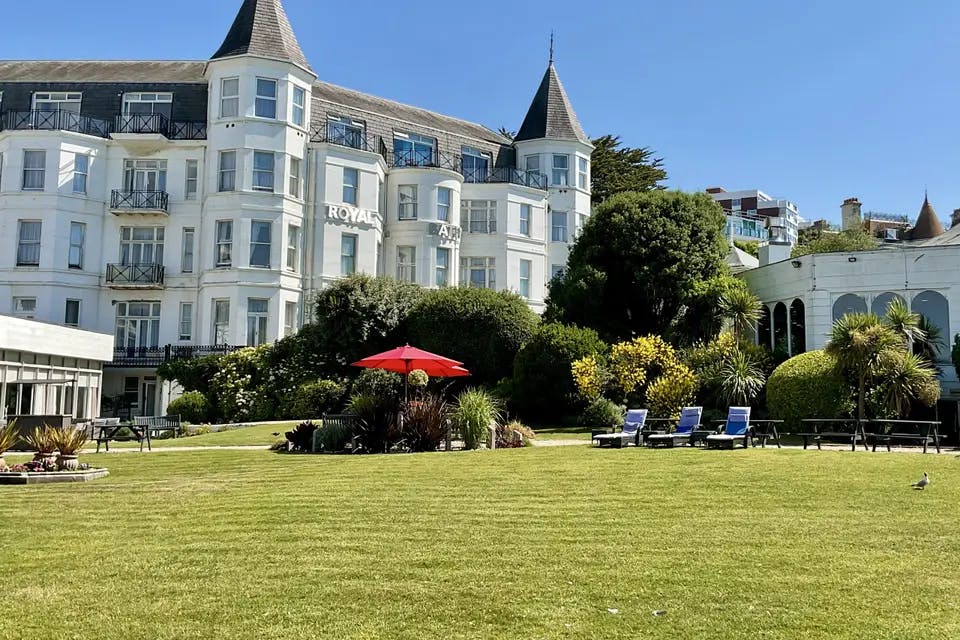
point(777, 248)
point(955, 218)
point(850, 214)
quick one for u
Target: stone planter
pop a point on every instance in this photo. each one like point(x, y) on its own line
point(46, 458)
point(68, 463)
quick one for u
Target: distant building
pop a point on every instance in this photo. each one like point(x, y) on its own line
point(754, 215)
point(892, 227)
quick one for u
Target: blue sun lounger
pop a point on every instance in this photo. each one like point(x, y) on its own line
point(630, 432)
point(689, 421)
point(736, 430)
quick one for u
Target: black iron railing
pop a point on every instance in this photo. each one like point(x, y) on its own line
point(429, 158)
point(507, 175)
point(188, 131)
point(69, 121)
point(351, 137)
point(135, 274)
point(139, 200)
point(143, 123)
point(155, 356)
point(54, 121)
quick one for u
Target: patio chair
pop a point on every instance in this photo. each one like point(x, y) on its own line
point(632, 427)
point(736, 430)
point(689, 421)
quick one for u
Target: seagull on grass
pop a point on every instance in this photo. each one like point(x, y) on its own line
point(923, 482)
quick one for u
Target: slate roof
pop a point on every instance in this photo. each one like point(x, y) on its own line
point(262, 28)
point(331, 93)
point(106, 71)
point(928, 224)
point(550, 114)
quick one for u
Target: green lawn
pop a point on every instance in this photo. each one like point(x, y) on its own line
point(527, 543)
point(563, 433)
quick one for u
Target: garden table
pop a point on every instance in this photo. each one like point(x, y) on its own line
point(925, 431)
point(834, 426)
point(768, 431)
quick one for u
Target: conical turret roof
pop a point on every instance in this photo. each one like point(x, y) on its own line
point(550, 114)
point(928, 223)
point(262, 28)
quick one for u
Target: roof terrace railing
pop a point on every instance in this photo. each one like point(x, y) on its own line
point(54, 121)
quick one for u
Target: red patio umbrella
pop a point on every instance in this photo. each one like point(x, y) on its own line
point(405, 359)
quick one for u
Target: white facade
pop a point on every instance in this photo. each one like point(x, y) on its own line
point(219, 239)
point(752, 215)
point(50, 370)
point(803, 297)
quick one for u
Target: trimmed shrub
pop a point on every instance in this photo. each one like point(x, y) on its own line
point(482, 328)
point(602, 414)
point(379, 383)
point(192, 407)
point(475, 412)
point(808, 386)
point(543, 385)
point(313, 399)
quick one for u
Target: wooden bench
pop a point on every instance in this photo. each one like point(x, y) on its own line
point(103, 430)
point(151, 427)
point(834, 430)
point(925, 432)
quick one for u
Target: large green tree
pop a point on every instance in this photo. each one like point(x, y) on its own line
point(482, 328)
point(617, 168)
point(634, 265)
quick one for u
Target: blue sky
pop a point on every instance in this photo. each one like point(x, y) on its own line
point(813, 101)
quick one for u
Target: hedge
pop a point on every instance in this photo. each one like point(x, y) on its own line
point(808, 386)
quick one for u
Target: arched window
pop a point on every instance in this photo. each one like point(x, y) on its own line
point(848, 303)
point(780, 329)
point(763, 327)
point(934, 307)
point(798, 327)
point(882, 302)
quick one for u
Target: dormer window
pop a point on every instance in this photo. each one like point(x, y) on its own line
point(148, 104)
point(476, 164)
point(413, 150)
point(57, 102)
point(266, 106)
point(345, 131)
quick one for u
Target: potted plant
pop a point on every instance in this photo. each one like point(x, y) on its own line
point(8, 438)
point(69, 442)
point(42, 442)
point(418, 379)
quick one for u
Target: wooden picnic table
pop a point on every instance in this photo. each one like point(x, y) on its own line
point(927, 431)
point(768, 431)
point(858, 431)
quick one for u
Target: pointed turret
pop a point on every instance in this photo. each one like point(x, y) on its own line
point(262, 28)
point(928, 224)
point(550, 115)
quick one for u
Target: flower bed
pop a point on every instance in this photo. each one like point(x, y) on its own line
point(40, 472)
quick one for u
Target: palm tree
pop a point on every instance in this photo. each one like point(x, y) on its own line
point(742, 308)
point(860, 342)
point(905, 322)
point(906, 376)
point(932, 343)
point(741, 379)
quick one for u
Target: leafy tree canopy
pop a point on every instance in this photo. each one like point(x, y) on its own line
point(482, 328)
point(617, 168)
point(850, 240)
point(636, 262)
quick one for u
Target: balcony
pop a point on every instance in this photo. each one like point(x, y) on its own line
point(187, 131)
point(149, 357)
point(135, 276)
point(431, 159)
point(506, 175)
point(351, 138)
point(141, 123)
point(150, 202)
point(54, 121)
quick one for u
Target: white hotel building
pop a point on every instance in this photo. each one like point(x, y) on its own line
point(185, 207)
